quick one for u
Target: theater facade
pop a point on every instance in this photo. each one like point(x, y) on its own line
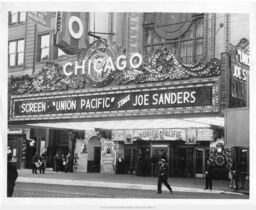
point(102, 100)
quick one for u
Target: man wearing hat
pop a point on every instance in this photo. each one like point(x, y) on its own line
point(163, 176)
point(12, 174)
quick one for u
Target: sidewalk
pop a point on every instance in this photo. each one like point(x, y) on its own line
point(123, 181)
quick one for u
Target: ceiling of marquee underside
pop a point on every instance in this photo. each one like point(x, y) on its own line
point(202, 122)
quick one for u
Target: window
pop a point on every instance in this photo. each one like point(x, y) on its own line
point(16, 53)
point(43, 47)
point(17, 17)
point(180, 33)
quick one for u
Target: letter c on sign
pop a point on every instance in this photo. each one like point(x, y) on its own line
point(75, 35)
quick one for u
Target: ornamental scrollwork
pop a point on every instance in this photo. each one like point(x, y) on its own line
point(162, 65)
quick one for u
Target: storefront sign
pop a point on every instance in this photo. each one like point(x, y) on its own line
point(118, 135)
point(160, 134)
point(191, 136)
point(39, 18)
point(167, 99)
point(239, 70)
point(71, 33)
point(204, 135)
point(18, 131)
point(100, 65)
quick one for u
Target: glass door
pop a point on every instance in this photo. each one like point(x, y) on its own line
point(179, 161)
point(158, 152)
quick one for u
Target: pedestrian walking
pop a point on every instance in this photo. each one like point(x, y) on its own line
point(163, 176)
point(232, 174)
point(119, 165)
point(12, 174)
point(68, 163)
point(63, 163)
point(42, 161)
point(56, 163)
point(208, 175)
point(35, 164)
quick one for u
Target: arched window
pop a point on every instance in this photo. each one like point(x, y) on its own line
point(180, 33)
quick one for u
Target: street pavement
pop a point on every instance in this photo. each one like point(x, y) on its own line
point(28, 190)
point(126, 181)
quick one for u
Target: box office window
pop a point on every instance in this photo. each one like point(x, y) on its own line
point(17, 17)
point(43, 47)
point(16, 53)
point(180, 33)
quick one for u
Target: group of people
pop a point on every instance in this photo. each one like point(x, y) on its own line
point(63, 163)
point(39, 163)
point(236, 174)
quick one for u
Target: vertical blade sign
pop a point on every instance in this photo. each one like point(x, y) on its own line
point(71, 33)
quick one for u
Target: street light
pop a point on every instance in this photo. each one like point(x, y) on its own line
point(220, 148)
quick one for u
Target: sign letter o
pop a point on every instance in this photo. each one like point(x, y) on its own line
point(75, 35)
point(139, 57)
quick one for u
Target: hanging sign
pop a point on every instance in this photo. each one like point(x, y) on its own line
point(160, 134)
point(71, 34)
point(191, 136)
point(239, 72)
point(204, 135)
point(41, 18)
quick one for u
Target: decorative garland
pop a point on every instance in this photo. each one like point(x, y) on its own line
point(161, 66)
point(221, 159)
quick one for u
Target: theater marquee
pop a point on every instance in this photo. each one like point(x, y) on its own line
point(179, 97)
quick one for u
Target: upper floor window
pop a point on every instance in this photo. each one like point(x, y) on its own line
point(180, 33)
point(17, 17)
point(101, 25)
point(16, 53)
point(43, 47)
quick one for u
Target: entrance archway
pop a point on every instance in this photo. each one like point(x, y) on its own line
point(94, 154)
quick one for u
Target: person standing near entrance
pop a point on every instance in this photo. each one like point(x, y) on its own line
point(163, 176)
point(208, 175)
point(12, 174)
point(35, 164)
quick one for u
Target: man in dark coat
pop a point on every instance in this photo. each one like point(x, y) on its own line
point(12, 174)
point(35, 164)
point(163, 176)
point(208, 175)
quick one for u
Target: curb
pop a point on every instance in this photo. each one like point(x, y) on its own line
point(107, 184)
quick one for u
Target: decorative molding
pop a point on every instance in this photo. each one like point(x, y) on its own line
point(227, 32)
point(206, 25)
point(211, 36)
point(110, 25)
point(140, 34)
point(161, 66)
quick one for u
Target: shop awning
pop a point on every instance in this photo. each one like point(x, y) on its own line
point(202, 122)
